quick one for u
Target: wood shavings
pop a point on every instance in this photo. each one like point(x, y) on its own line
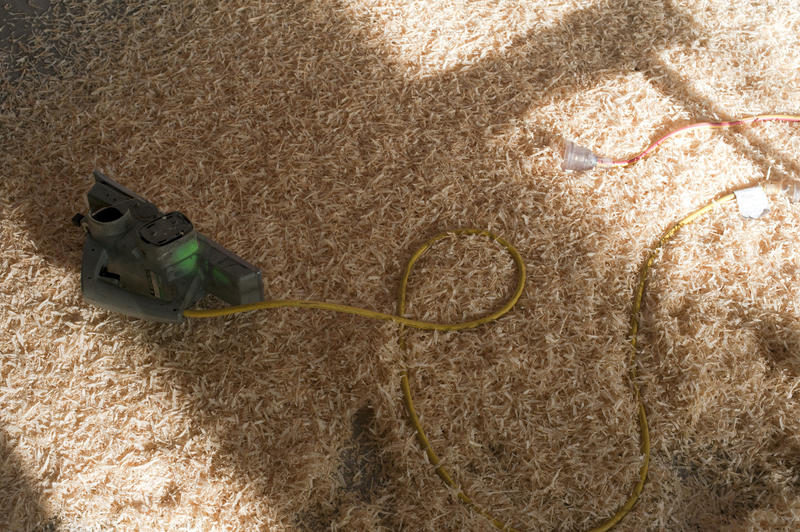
point(323, 141)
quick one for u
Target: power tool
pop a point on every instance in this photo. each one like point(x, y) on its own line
point(144, 263)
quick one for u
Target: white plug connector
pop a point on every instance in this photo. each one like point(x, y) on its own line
point(577, 158)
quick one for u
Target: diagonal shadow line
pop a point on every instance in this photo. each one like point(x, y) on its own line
point(619, 49)
point(440, 95)
point(745, 140)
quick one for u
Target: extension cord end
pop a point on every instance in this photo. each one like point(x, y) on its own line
point(791, 189)
point(577, 158)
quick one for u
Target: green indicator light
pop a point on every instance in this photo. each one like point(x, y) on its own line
point(184, 251)
point(184, 257)
point(187, 266)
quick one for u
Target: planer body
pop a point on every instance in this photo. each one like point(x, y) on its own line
point(153, 265)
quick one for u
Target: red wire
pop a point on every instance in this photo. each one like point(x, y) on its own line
point(709, 125)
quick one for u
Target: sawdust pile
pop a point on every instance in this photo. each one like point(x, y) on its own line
point(323, 141)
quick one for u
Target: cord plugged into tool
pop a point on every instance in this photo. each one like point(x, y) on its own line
point(148, 264)
point(142, 262)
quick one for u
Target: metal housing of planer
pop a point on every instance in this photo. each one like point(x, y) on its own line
point(144, 263)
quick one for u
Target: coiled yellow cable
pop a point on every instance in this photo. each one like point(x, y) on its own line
point(419, 324)
point(397, 318)
point(440, 469)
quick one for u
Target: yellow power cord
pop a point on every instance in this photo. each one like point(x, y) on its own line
point(382, 316)
point(638, 296)
point(441, 470)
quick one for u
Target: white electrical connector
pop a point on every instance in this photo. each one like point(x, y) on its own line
point(577, 158)
point(580, 159)
point(752, 201)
